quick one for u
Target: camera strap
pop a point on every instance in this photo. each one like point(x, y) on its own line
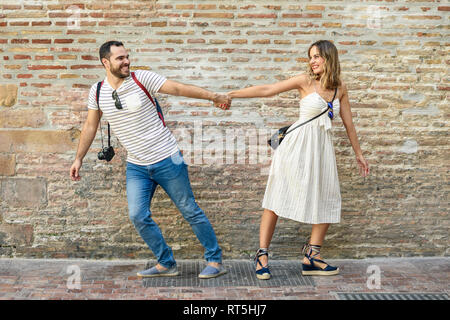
point(97, 97)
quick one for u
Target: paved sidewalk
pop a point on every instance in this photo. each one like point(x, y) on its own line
point(33, 279)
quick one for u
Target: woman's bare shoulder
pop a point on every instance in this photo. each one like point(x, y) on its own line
point(343, 88)
point(304, 77)
point(342, 91)
point(303, 80)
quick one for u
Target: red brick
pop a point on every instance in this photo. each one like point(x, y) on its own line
point(43, 57)
point(24, 76)
point(332, 24)
point(86, 66)
point(12, 66)
point(257, 16)
point(20, 41)
point(89, 57)
point(206, 6)
point(11, 7)
point(422, 17)
point(160, 24)
point(59, 14)
point(45, 67)
point(21, 56)
point(63, 41)
point(41, 85)
point(315, 8)
point(215, 15)
point(301, 15)
point(67, 56)
point(41, 23)
point(41, 41)
point(19, 23)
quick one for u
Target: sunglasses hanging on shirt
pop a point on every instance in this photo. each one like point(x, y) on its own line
point(117, 102)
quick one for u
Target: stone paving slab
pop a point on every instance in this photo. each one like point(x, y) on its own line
point(37, 279)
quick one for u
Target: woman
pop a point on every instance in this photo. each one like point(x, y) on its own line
point(303, 182)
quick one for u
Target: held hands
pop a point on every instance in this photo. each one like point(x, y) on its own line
point(222, 101)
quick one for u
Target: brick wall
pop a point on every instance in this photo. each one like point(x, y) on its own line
point(394, 57)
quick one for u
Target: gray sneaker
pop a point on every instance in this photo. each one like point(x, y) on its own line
point(153, 272)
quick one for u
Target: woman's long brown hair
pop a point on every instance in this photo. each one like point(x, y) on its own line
point(331, 78)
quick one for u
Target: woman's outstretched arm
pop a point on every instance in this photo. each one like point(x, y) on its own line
point(268, 90)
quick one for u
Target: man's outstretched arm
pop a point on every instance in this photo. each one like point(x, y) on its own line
point(180, 89)
point(87, 136)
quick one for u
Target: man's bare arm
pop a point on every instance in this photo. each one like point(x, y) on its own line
point(180, 89)
point(87, 136)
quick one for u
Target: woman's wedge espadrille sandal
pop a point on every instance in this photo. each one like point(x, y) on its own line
point(311, 251)
point(264, 272)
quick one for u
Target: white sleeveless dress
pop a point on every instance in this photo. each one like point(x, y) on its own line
point(303, 182)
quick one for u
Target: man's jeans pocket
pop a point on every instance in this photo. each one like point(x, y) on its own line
point(170, 168)
point(177, 158)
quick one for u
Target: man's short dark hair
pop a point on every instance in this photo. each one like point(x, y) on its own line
point(105, 49)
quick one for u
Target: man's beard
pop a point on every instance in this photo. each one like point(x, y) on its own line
point(120, 74)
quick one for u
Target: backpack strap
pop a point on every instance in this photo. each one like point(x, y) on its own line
point(97, 97)
point(155, 102)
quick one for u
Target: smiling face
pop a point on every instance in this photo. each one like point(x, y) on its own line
point(316, 61)
point(324, 64)
point(118, 62)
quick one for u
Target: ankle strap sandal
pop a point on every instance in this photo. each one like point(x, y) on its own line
point(311, 251)
point(264, 272)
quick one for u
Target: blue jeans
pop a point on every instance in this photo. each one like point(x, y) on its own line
point(172, 175)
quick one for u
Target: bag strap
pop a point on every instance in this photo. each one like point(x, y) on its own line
point(155, 102)
point(315, 117)
point(97, 97)
point(133, 75)
point(334, 96)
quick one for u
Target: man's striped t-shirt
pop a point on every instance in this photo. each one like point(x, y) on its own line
point(137, 125)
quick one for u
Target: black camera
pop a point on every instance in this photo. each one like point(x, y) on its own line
point(107, 153)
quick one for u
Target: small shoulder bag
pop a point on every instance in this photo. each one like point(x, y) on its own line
point(278, 136)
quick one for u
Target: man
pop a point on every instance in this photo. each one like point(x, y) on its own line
point(153, 155)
